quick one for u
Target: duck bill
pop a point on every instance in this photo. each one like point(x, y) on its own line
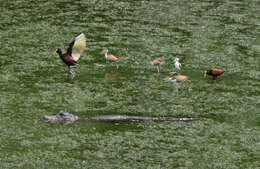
point(50, 118)
point(55, 53)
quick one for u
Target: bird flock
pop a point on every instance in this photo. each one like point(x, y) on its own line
point(78, 44)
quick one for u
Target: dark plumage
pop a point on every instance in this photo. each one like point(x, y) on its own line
point(214, 72)
point(66, 57)
point(73, 53)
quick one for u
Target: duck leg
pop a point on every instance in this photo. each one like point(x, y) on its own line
point(158, 69)
point(72, 71)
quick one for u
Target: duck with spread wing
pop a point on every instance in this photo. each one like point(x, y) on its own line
point(73, 53)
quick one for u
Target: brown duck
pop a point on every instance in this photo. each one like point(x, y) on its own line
point(110, 57)
point(174, 77)
point(158, 62)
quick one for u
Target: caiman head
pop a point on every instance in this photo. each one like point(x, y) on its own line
point(61, 117)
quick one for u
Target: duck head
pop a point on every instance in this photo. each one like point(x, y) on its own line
point(58, 51)
point(104, 51)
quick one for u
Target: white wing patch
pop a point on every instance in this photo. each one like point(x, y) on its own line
point(79, 46)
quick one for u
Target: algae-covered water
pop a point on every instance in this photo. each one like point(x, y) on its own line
point(203, 33)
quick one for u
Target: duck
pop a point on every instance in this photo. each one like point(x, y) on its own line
point(158, 62)
point(73, 53)
point(174, 77)
point(214, 72)
point(177, 64)
point(110, 57)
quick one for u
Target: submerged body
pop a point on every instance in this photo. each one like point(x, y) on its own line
point(69, 117)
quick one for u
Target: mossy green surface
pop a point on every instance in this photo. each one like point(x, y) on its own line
point(204, 34)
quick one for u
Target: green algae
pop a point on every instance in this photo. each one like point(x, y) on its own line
point(204, 34)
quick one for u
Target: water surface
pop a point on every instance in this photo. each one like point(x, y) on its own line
point(203, 33)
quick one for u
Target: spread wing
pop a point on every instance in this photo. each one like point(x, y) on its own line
point(77, 46)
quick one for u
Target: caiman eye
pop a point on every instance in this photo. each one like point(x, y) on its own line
point(62, 114)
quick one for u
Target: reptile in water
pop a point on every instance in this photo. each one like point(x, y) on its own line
point(69, 117)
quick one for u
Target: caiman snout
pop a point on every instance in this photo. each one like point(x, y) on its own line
point(61, 117)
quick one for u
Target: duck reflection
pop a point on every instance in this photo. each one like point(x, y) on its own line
point(112, 76)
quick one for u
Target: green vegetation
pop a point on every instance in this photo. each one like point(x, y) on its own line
point(204, 34)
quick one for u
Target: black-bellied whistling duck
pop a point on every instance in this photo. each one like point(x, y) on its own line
point(158, 62)
point(73, 53)
point(214, 72)
point(110, 57)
